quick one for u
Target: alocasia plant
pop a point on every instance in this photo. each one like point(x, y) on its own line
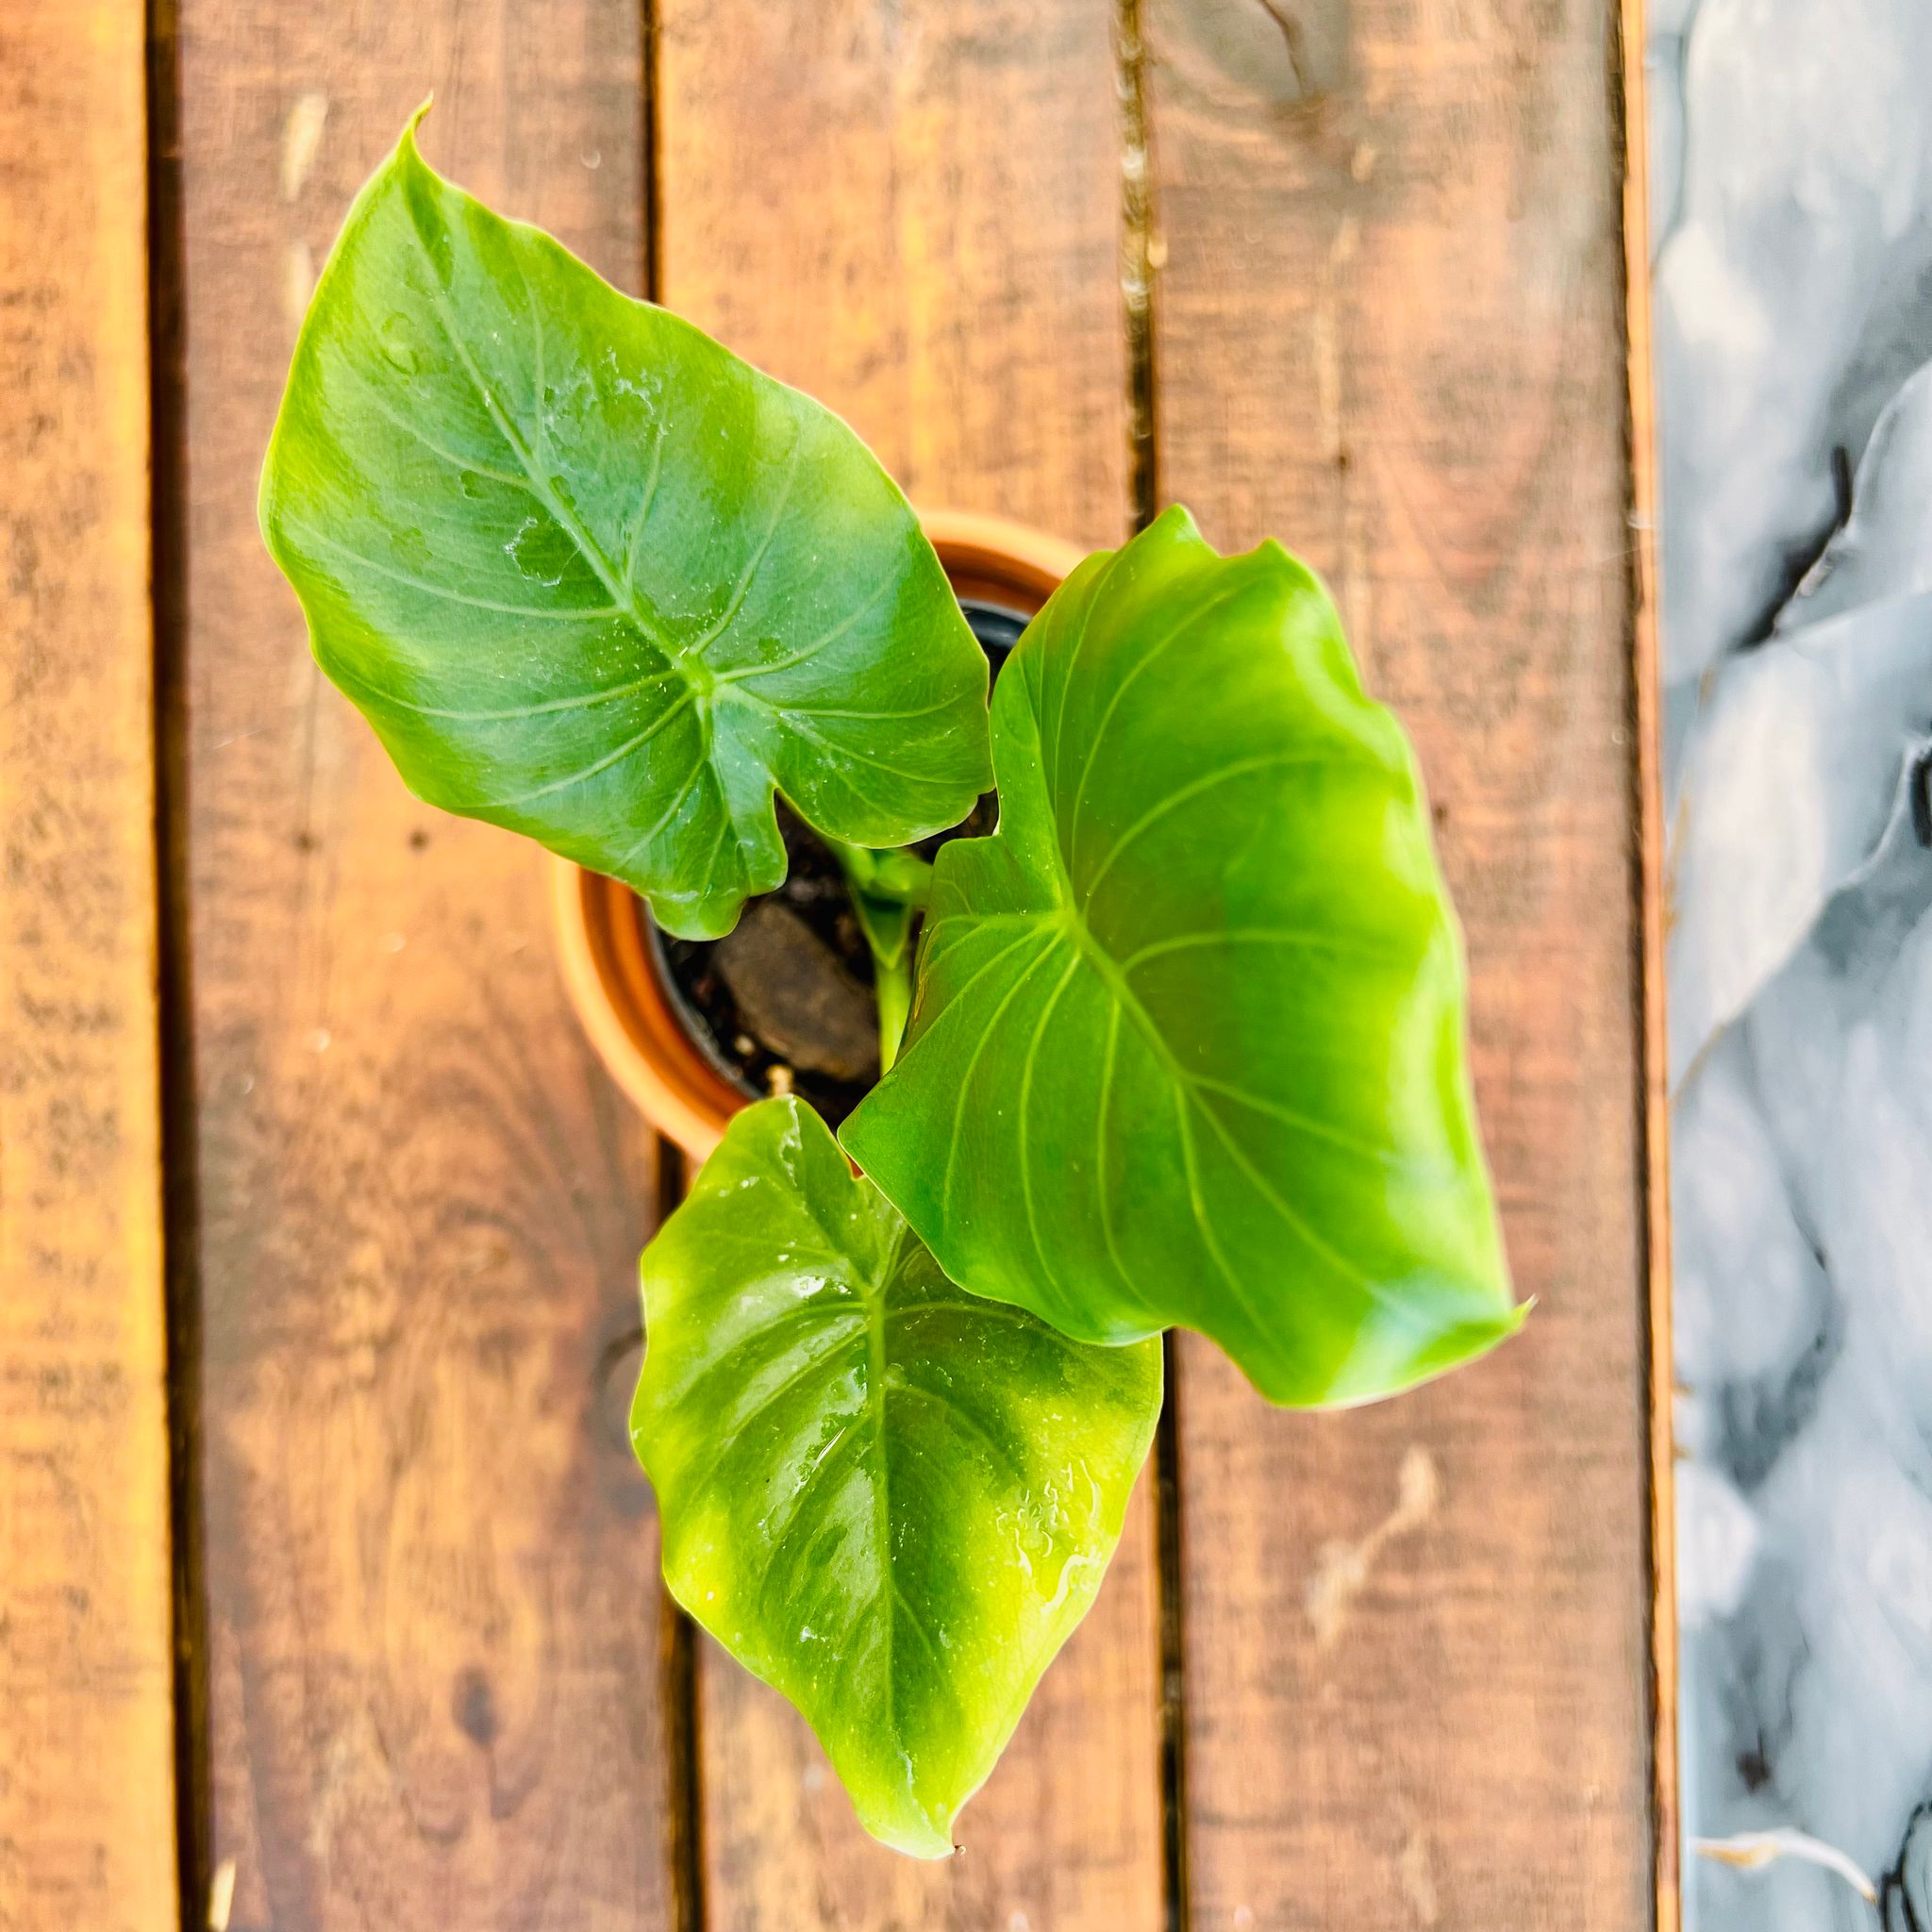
point(1186, 1032)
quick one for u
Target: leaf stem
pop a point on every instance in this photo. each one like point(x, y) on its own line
point(886, 889)
point(893, 985)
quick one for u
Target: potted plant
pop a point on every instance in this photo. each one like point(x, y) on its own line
point(692, 1028)
point(1182, 1033)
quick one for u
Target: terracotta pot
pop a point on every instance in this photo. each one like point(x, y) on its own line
point(603, 937)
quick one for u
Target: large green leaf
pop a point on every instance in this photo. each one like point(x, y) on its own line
point(886, 1498)
point(1187, 1041)
point(593, 578)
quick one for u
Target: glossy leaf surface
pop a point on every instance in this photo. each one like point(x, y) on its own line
point(886, 1498)
point(593, 578)
point(1188, 1039)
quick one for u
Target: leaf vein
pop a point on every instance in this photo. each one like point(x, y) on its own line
point(1242, 768)
point(625, 750)
point(568, 614)
point(1194, 616)
point(1025, 1102)
point(972, 1062)
point(967, 1423)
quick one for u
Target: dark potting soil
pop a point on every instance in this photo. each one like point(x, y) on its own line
point(783, 1002)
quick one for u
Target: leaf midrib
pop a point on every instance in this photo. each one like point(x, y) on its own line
point(622, 594)
point(875, 1403)
point(876, 1296)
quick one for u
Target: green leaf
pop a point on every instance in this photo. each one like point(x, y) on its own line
point(592, 577)
point(887, 1499)
point(1188, 1035)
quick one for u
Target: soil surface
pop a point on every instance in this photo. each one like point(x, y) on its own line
point(783, 1002)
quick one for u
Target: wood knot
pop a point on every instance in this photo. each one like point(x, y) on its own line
point(1289, 53)
point(473, 1704)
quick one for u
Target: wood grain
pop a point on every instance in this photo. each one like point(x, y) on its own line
point(431, 1562)
point(1389, 330)
point(913, 212)
point(86, 1813)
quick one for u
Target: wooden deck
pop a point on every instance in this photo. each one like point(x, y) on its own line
point(353, 1455)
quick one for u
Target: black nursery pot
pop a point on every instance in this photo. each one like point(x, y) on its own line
point(694, 1030)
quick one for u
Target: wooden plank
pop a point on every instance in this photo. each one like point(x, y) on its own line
point(1389, 331)
point(87, 1752)
point(1645, 618)
point(431, 1563)
point(912, 212)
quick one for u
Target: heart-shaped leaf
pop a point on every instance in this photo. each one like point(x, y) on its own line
point(593, 578)
point(884, 1497)
point(1187, 1041)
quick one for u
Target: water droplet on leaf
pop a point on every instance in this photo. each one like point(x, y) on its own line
point(397, 346)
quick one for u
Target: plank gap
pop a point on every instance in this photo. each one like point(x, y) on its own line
point(1173, 1652)
point(678, 1678)
point(650, 143)
point(680, 1691)
point(680, 1669)
point(174, 1004)
point(1139, 256)
point(1625, 30)
point(1139, 251)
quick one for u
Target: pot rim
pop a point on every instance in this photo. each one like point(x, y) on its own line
point(608, 961)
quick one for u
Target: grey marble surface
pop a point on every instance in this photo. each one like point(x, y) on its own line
point(1792, 167)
